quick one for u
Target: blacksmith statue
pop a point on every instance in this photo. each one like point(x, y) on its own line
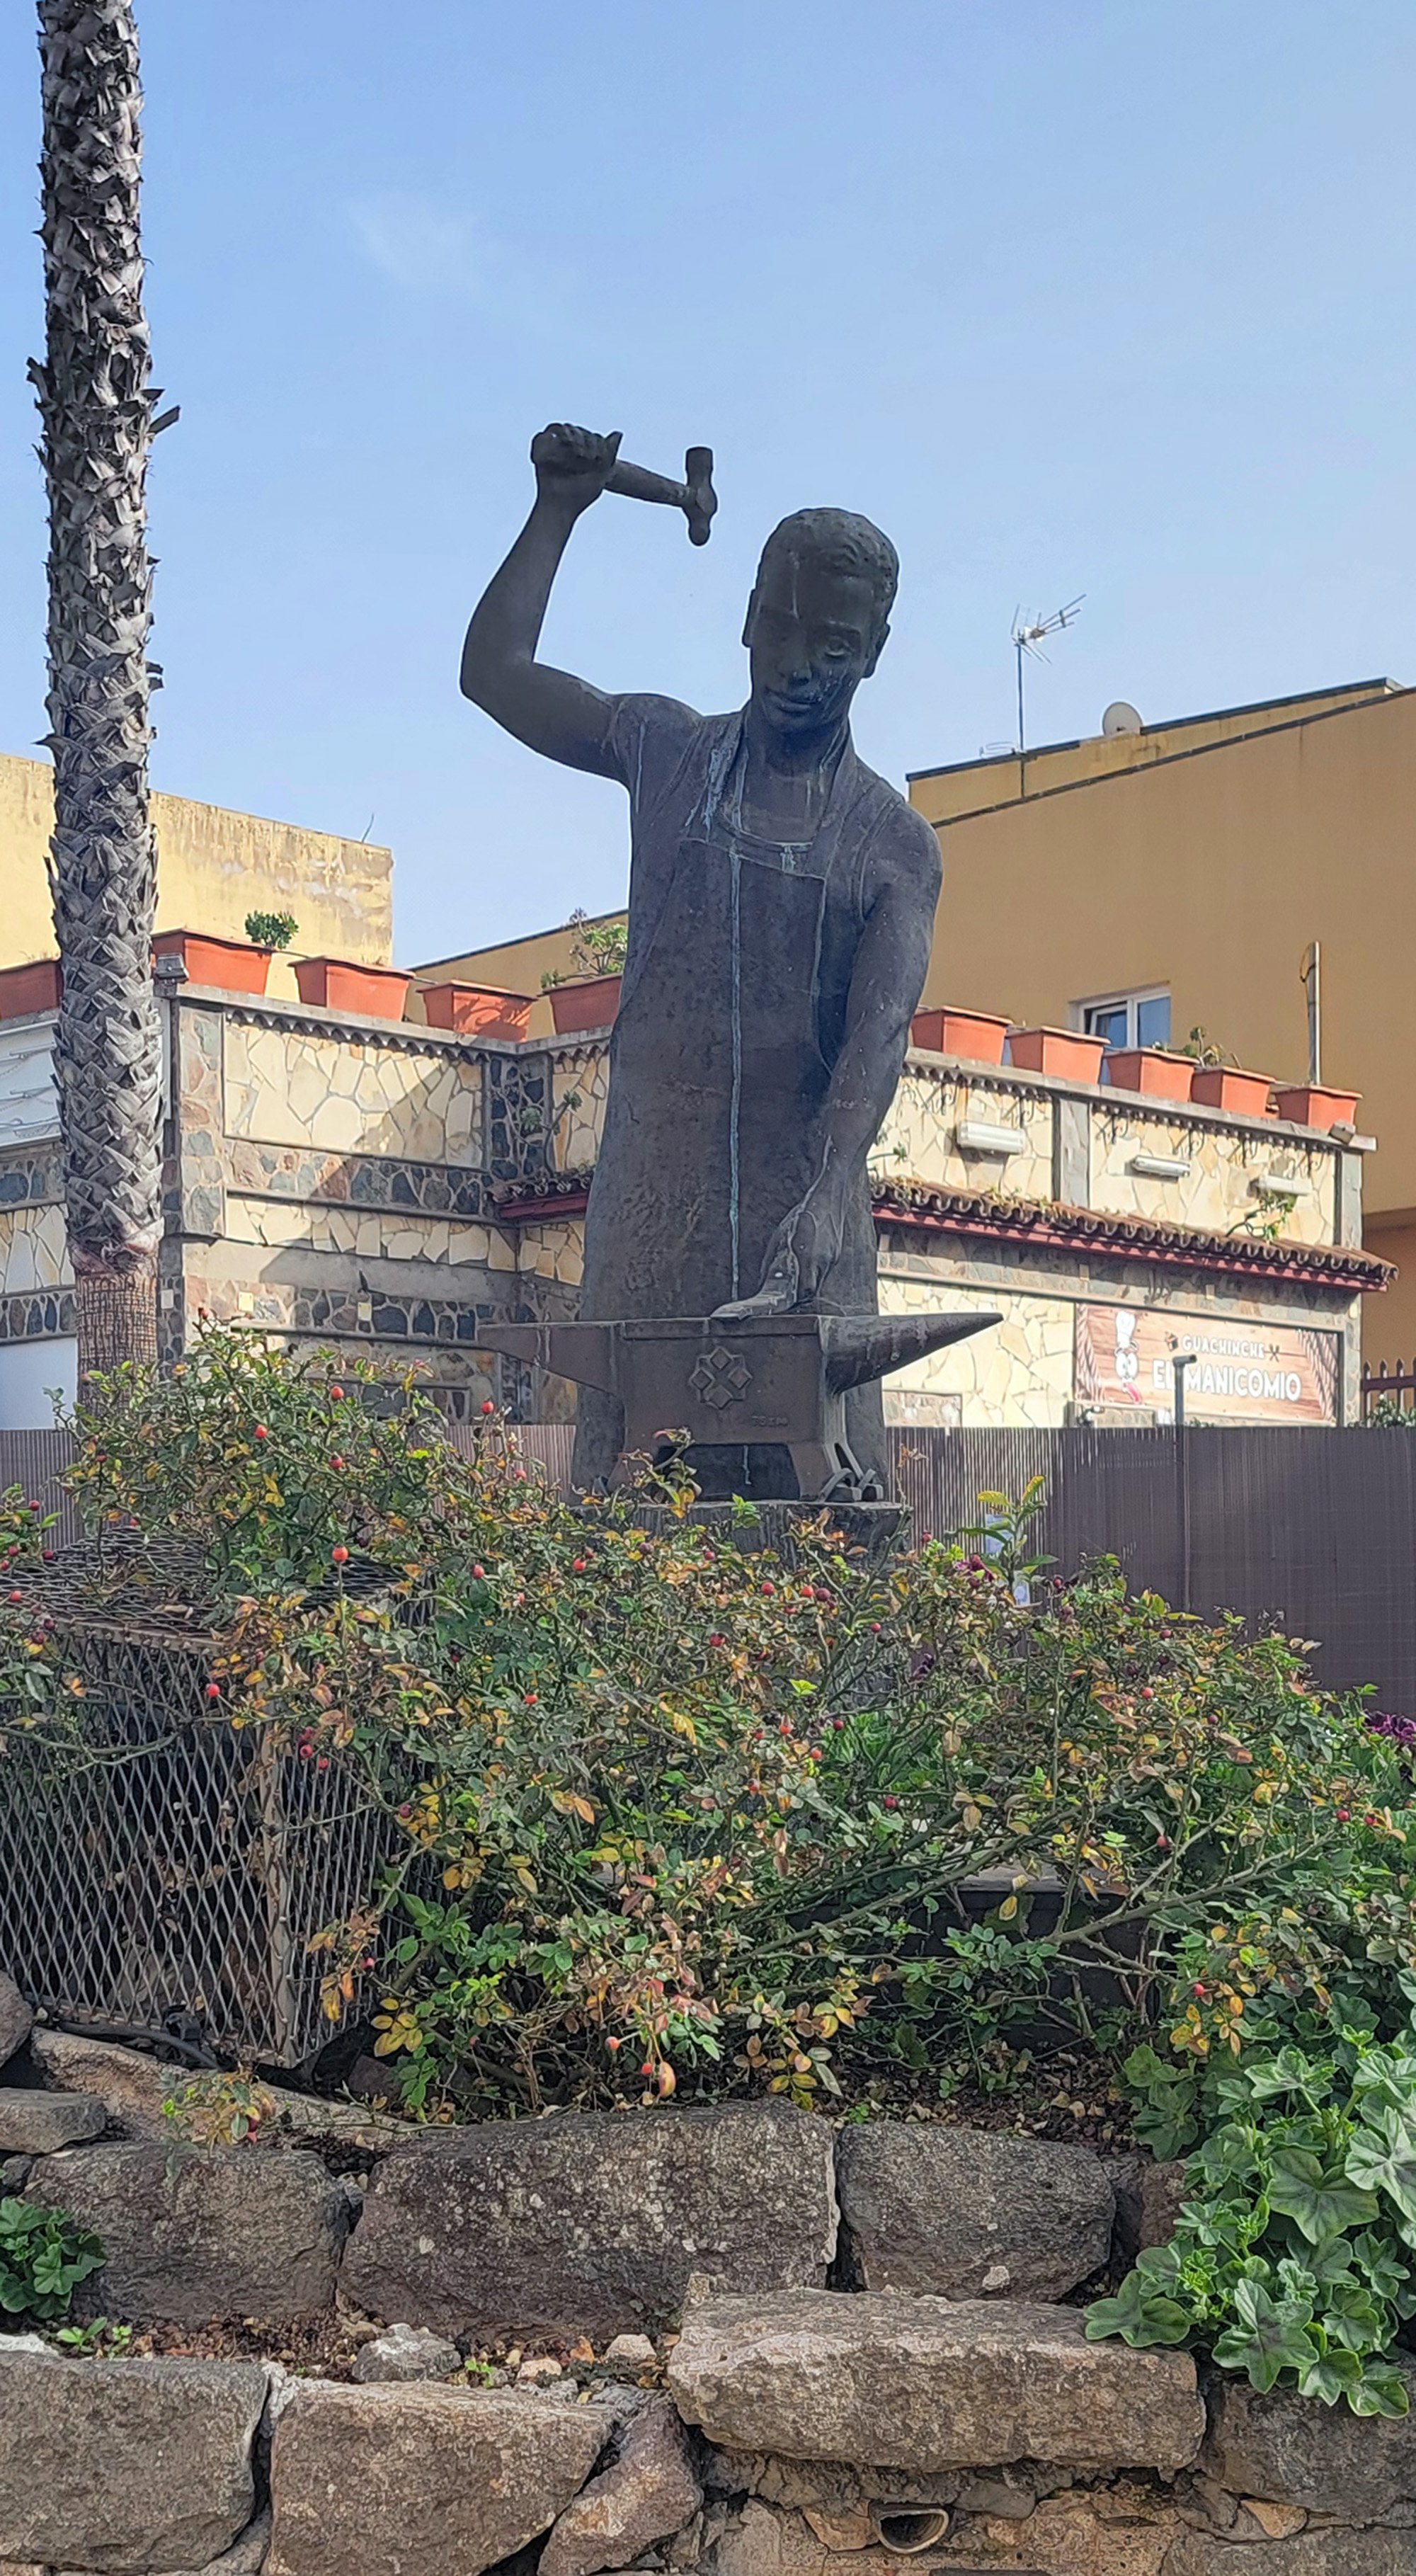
point(781, 905)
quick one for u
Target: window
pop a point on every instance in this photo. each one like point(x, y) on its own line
point(1126, 1019)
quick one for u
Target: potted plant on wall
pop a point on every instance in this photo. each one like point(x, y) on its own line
point(588, 998)
point(229, 965)
point(1315, 1104)
point(1061, 1051)
point(1217, 1082)
point(27, 989)
point(339, 984)
point(977, 1036)
point(1152, 1071)
point(477, 1010)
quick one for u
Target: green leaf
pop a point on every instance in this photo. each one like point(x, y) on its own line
point(1381, 2390)
point(1334, 2374)
point(1144, 2311)
point(1319, 2198)
point(1382, 2158)
point(1268, 2337)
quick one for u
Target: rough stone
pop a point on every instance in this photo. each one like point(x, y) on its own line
point(134, 2090)
point(406, 2352)
point(39, 2124)
point(591, 2224)
point(195, 2233)
point(132, 2467)
point(15, 2172)
point(925, 2383)
point(377, 2481)
point(1312, 2553)
point(627, 2354)
point(16, 2019)
point(1285, 2450)
point(649, 2490)
point(1148, 2201)
point(962, 2213)
point(1077, 2535)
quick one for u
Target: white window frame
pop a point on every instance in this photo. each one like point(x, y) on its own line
point(1077, 1012)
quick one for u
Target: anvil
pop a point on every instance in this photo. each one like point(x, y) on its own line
point(735, 1381)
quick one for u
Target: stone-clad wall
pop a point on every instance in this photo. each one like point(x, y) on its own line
point(737, 2341)
point(347, 1092)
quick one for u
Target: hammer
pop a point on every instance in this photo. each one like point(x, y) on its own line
point(695, 495)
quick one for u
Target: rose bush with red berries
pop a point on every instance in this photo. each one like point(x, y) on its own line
point(662, 1802)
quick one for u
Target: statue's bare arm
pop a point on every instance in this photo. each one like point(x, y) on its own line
point(549, 710)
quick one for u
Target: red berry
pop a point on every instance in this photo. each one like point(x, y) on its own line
point(261, 1431)
point(336, 1394)
point(306, 1750)
point(17, 1596)
point(479, 1573)
point(213, 1689)
point(339, 1555)
point(875, 1627)
point(529, 1698)
point(769, 1587)
point(1162, 1842)
point(648, 2067)
point(1344, 1815)
point(1147, 1692)
point(890, 1802)
point(612, 2042)
point(337, 1462)
point(487, 1405)
point(323, 1762)
point(715, 1639)
point(577, 1565)
point(405, 1812)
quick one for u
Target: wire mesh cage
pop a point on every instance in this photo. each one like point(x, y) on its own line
point(160, 1859)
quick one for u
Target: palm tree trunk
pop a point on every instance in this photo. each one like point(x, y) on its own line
point(96, 405)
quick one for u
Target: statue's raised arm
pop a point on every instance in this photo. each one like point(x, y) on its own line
point(549, 710)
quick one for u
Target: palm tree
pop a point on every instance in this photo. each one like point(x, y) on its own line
point(96, 405)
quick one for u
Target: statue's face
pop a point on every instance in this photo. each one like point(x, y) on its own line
point(813, 635)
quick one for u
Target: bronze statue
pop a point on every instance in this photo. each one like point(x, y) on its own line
point(781, 906)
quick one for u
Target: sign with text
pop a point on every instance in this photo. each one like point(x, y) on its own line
point(1241, 1372)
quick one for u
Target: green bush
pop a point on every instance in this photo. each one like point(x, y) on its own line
point(677, 1815)
point(43, 2257)
point(271, 929)
point(1295, 2256)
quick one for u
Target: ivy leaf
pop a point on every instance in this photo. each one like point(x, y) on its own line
point(1320, 2199)
point(1290, 2072)
point(1334, 2374)
point(1381, 2390)
point(1143, 2310)
point(1382, 2158)
point(1389, 2278)
point(1269, 2337)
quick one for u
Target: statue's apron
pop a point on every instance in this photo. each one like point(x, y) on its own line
point(732, 1014)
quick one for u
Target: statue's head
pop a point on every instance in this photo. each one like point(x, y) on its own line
point(818, 617)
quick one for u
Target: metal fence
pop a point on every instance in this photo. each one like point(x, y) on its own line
point(1383, 1384)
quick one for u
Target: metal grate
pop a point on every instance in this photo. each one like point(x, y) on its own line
point(170, 1860)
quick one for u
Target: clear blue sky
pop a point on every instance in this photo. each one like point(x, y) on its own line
point(1110, 296)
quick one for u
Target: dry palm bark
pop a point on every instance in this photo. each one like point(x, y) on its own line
point(96, 405)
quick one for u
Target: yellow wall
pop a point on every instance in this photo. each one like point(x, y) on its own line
point(213, 867)
point(1210, 872)
point(975, 786)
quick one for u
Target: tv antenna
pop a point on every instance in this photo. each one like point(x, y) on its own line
point(1030, 639)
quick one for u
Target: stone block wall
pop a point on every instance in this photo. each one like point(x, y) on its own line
point(735, 2340)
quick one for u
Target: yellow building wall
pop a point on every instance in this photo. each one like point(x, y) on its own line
point(1209, 873)
point(213, 867)
point(976, 786)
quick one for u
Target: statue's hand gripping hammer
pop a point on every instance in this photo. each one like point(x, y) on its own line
point(695, 495)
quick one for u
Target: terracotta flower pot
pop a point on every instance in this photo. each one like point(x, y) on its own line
point(230, 965)
point(1224, 1086)
point(477, 1010)
point(336, 984)
point(1063, 1051)
point(587, 1002)
point(975, 1035)
point(1312, 1104)
point(1152, 1071)
point(25, 989)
